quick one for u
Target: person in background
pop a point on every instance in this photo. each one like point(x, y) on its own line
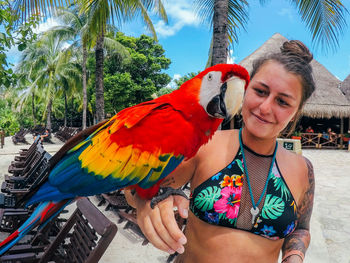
point(309, 130)
point(300, 128)
point(45, 134)
point(250, 197)
point(332, 135)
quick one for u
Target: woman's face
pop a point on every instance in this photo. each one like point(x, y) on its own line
point(271, 100)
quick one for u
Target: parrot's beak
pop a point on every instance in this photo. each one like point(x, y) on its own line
point(227, 103)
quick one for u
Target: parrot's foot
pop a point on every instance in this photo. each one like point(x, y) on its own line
point(164, 193)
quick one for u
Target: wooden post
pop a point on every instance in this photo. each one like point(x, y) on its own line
point(341, 132)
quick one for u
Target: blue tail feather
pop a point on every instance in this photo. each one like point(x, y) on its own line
point(27, 226)
point(48, 192)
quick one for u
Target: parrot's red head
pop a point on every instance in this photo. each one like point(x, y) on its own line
point(222, 89)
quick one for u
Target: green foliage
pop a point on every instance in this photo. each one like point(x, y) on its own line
point(8, 119)
point(297, 133)
point(146, 62)
point(129, 80)
point(6, 41)
point(10, 36)
point(183, 79)
point(163, 91)
point(118, 92)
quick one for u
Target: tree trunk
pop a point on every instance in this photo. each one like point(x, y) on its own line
point(84, 88)
point(220, 34)
point(48, 122)
point(65, 110)
point(33, 109)
point(100, 103)
point(72, 112)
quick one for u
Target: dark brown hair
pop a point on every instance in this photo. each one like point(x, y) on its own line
point(295, 57)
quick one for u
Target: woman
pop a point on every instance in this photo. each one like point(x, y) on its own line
point(250, 197)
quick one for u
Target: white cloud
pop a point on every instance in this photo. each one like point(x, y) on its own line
point(172, 82)
point(164, 30)
point(44, 26)
point(230, 58)
point(286, 12)
point(180, 13)
point(176, 76)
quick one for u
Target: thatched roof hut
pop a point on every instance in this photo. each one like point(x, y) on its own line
point(345, 87)
point(327, 101)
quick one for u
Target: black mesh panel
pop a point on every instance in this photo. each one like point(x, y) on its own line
point(258, 167)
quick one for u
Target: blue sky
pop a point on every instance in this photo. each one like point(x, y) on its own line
point(186, 40)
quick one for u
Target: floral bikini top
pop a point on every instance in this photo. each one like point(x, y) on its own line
point(219, 201)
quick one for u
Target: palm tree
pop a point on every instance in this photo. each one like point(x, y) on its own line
point(324, 18)
point(102, 12)
point(28, 93)
point(49, 67)
point(75, 28)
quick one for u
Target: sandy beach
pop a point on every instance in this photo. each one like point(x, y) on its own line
point(330, 235)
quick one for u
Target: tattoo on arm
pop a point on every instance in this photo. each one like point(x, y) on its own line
point(300, 238)
point(168, 181)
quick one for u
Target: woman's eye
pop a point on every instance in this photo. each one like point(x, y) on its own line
point(260, 92)
point(282, 102)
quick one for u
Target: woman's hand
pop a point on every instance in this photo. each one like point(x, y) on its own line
point(159, 224)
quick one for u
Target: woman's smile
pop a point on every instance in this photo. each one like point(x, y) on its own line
point(261, 119)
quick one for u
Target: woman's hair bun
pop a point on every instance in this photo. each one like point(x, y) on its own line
point(296, 48)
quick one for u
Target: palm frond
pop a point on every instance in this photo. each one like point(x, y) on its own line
point(24, 9)
point(237, 15)
point(325, 19)
point(112, 45)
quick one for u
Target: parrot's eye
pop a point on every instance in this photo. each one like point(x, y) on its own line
point(210, 77)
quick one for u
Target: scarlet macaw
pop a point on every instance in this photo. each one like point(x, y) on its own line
point(139, 146)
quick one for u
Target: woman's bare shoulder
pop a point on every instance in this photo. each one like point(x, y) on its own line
point(296, 162)
point(219, 139)
point(224, 135)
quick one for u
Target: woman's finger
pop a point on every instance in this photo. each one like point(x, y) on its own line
point(161, 228)
point(167, 215)
point(153, 237)
point(182, 205)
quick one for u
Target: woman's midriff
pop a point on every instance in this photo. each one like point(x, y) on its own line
point(208, 243)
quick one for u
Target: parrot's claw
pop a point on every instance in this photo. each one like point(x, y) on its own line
point(165, 192)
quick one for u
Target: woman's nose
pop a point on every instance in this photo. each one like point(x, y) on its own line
point(266, 105)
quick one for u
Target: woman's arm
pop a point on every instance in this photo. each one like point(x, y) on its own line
point(296, 244)
point(159, 224)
